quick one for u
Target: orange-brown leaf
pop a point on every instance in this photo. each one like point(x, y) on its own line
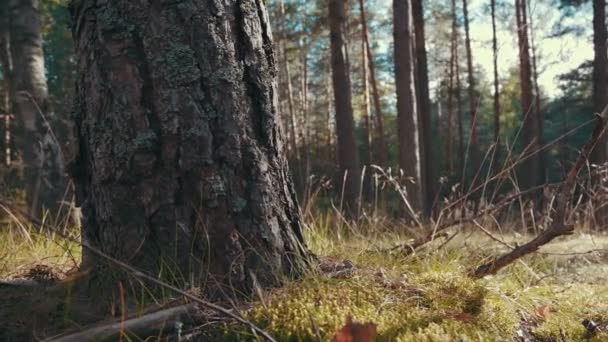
point(356, 332)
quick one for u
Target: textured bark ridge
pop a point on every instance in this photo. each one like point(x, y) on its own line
point(177, 157)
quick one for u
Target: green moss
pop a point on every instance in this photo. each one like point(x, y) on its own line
point(439, 303)
point(433, 306)
point(569, 307)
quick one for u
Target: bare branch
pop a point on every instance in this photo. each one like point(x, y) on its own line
point(558, 225)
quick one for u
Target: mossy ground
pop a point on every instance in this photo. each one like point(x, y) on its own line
point(426, 296)
point(545, 295)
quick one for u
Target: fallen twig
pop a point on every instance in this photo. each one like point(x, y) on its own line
point(558, 225)
point(139, 326)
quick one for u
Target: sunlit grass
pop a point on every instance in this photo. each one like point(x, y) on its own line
point(438, 301)
point(22, 247)
point(425, 296)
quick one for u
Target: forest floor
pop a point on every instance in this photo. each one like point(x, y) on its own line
point(425, 296)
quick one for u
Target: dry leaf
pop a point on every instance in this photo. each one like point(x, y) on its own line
point(356, 332)
point(543, 312)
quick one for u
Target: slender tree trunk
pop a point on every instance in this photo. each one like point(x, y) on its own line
point(379, 140)
point(5, 125)
point(600, 76)
point(366, 103)
point(348, 157)
point(449, 147)
point(179, 163)
point(305, 119)
point(473, 146)
point(530, 168)
point(331, 155)
point(600, 90)
point(537, 100)
point(7, 71)
point(292, 119)
point(428, 172)
point(461, 151)
point(407, 116)
point(41, 155)
point(496, 81)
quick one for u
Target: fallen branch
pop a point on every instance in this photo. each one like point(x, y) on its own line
point(409, 248)
point(143, 326)
point(558, 225)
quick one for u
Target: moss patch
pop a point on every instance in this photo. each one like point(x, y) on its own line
point(437, 301)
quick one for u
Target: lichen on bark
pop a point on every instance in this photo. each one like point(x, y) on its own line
point(179, 157)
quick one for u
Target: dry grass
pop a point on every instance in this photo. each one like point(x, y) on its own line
point(23, 247)
point(425, 296)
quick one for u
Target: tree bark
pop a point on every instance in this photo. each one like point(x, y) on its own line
point(41, 154)
point(428, 172)
point(178, 159)
point(348, 157)
point(331, 155)
point(537, 101)
point(407, 115)
point(367, 159)
point(600, 92)
point(305, 131)
point(600, 76)
point(473, 146)
point(7, 70)
point(530, 170)
point(496, 81)
point(449, 147)
point(461, 152)
point(292, 119)
point(379, 140)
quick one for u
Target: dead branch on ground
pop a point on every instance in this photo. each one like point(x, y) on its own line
point(558, 226)
point(146, 325)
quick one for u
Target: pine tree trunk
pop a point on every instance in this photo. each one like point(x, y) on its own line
point(449, 145)
point(530, 171)
point(496, 84)
point(600, 76)
point(599, 155)
point(473, 146)
point(428, 172)
point(331, 155)
point(292, 119)
point(367, 159)
point(178, 161)
point(7, 71)
point(305, 168)
point(537, 101)
point(348, 157)
point(379, 139)
point(461, 151)
point(41, 154)
point(407, 115)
